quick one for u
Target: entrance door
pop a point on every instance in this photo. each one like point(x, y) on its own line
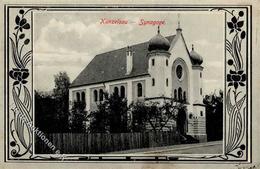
point(181, 122)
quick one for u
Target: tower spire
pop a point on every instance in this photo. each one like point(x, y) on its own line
point(179, 25)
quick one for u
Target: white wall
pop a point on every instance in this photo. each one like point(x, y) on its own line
point(159, 73)
point(197, 85)
point(108, 86)
point(135, 88)
point(87, 94)
point(178, 50)
point(183, 82)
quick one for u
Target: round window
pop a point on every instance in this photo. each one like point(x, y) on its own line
point(179, 71)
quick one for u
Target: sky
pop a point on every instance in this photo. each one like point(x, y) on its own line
point(68, 41)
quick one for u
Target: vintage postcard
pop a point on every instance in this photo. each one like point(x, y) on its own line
point(129, 83)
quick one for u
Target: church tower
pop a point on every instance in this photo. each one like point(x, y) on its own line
point(199, 113)
point(197, 60)
point(158, 62)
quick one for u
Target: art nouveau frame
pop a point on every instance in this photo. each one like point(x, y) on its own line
point(19, 84)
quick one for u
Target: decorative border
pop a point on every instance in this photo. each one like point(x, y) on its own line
point(18, 84)
point(21, 94)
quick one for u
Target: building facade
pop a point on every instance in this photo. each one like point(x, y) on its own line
point(156, 70)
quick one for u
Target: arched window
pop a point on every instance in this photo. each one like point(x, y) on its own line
point(153, 82)
point(175, 94)
point(116, 92)
point(184, 96)
point(180, 94)
point(122, 91)
point(179, 71)
point(200, 91)
point(78, 96)
point(190, 116)
point(83, 97)
point(200, 75)
point(153, 62)
point(101, 95)
point(95, 95)
point(139, 90)
point(167, 82)
point(166, 62)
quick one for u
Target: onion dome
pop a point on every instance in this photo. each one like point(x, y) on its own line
point(158, 42)
point(195, 57)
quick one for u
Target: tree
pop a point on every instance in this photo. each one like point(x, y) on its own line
point(158, 116)
point(99, 122)
point(78, 117)
point(110, 116)
point(52, 108)
point(61, 94)
point(214, 116)
point(139, 112)
point(62, 83)
point(117, 111)
point(45, 112)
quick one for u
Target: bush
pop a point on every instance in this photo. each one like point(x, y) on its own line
point(154, 114)
point(78, 118)
point(111, 115)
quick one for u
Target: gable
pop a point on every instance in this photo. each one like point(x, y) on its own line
point(111, 65)
point(179, 49)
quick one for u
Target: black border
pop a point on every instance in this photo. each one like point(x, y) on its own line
point(124, 6)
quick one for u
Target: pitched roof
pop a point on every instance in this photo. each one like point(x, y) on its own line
point(111, 65)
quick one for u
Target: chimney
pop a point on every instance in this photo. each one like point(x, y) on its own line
point(129, 60)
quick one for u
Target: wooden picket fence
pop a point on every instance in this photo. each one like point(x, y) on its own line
point(95, 143)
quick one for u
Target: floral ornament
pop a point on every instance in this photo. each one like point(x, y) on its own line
point(235, 24)
point(236, 78)
point(19, 75)
point(21, 23)
point(20, 58)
